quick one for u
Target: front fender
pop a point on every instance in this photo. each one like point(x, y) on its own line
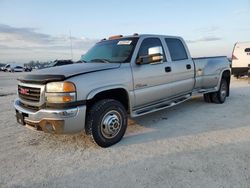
point(130, 94)
point(92, 93)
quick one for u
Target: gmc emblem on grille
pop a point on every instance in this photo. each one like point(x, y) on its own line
point(24, 91)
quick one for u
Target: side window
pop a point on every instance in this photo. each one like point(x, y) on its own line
point(151, 46)
point(176, 49)
point(247, 50)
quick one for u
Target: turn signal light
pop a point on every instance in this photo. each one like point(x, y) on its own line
point(68, 87)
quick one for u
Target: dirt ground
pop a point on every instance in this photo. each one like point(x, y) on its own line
point(195, 144)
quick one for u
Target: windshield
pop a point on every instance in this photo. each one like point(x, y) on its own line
point(111, 51)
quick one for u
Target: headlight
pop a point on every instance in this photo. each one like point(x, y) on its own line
point(60, 92)
point(58, 87)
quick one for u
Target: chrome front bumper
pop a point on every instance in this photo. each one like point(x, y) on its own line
point(61, 121)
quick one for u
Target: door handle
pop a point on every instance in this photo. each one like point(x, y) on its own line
point(188, 66)
point(168, 69)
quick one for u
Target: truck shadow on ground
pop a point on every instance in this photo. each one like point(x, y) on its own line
point(190, 118)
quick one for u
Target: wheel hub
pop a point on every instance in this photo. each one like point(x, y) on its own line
point(111, 124)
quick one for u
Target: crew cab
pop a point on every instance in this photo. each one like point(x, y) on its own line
point(120, 77)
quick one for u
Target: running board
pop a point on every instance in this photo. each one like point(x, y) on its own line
point(202, 91)
point(160, 106)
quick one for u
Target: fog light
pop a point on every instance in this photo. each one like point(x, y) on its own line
point(49, 127)
point(52, 126)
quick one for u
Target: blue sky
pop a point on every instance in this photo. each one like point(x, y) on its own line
point(39, 30)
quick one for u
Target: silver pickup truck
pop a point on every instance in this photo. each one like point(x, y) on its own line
point(120, 76)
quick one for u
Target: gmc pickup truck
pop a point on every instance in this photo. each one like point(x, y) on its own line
point(120, 76)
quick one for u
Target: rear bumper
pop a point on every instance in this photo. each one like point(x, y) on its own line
point(61, 121)
point(240, 70)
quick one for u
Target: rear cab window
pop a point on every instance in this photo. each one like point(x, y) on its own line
point(176, 49)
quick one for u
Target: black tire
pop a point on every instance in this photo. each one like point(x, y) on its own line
point(106, 122)
point(220, 96)
point(207, 97)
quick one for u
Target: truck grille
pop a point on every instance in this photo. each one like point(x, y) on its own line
point(34, 108)
point(29, 93)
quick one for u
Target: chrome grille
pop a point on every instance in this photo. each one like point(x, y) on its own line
point(35, 108)
point(29, 93)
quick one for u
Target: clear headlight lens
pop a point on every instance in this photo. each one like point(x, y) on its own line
point(57, 87)
point(60, 92)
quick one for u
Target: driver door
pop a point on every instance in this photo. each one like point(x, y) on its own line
point(152, 81)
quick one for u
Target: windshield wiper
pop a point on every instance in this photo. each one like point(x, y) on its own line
point(81, 61)
point(100, 60)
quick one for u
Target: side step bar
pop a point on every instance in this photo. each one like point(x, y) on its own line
point(160, 106)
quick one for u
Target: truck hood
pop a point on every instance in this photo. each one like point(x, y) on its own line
point(61, 73)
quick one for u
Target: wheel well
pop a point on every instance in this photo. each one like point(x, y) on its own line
point(227, 76)
point(119, 94)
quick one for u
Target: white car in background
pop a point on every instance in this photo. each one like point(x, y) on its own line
point(241, 59)
point(17, 69)
point(13, 68)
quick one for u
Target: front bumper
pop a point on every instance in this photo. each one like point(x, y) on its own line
point(63, 121)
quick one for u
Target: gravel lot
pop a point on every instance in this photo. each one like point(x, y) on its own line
point(194, 144)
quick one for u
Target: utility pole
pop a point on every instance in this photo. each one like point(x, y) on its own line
point(71, 45)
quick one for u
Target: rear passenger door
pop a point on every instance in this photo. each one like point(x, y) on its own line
point(182, 67)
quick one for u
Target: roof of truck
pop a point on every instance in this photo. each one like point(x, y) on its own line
point(137, 36)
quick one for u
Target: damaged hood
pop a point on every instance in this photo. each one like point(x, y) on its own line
point(63, 72)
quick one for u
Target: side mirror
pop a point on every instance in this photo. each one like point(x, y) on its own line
point(148, 59)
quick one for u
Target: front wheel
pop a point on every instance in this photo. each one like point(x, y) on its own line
point(106, 122)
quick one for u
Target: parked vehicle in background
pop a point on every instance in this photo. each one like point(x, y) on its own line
point(12, 68)
point(2, 66)
point(27, 69)
point(241, 59)
point(17, 69)
point(6, 68)
point(122, 76)
point(60, 63)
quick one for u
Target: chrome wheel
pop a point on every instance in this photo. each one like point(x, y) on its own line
point(111, 124)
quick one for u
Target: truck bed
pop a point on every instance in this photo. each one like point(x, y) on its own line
point(208, 70)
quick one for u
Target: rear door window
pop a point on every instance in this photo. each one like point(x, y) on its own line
point(176, 49)
point(247, 50)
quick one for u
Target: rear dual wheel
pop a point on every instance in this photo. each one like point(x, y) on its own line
point(219, 96)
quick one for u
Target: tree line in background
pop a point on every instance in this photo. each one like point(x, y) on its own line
point(31, 64)
point(36, 64)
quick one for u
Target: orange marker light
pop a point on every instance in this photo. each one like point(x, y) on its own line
point(67, 98)
point(69, 87)
point(115, 37)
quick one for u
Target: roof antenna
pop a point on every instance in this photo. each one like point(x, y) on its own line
point(71, 45)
